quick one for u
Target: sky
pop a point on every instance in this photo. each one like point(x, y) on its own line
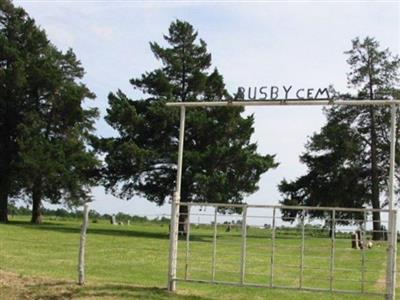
point(257, 43)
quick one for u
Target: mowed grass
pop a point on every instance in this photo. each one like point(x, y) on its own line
point(353, 270)
point(130, 262)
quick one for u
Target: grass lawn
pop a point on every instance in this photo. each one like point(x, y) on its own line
point(130, 262)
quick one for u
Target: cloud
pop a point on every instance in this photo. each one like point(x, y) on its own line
point(103, 32)
point(252, 45)
point(60, 35)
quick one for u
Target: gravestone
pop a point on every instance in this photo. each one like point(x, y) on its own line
point(360, 239)
point(354, 241)
point(113, 220)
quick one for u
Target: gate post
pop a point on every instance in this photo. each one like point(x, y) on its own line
point(392, 231)
point(173, 232)
point(173, 243)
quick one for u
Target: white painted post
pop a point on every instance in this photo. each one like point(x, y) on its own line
point(81, 259)
point(173, 238)
point(392, 232)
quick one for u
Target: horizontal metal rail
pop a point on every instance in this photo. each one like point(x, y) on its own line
point(284, 102)
point(281, 287)
point(264, 257)
point(309, 208)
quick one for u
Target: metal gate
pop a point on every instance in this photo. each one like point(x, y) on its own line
point(306, 248)
point(388, 278)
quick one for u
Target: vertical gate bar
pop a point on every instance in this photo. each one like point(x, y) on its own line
point(173, 235)
point(214, 245)
point(243, 252)
point(392, 232)
point(271, 280)
point(393, 246)
point(302, 250)
point(364, 243)
point(332, 262)
point(187, 241)
point(394, 243)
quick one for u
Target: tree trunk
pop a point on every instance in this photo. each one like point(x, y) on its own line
point(183, 216)
point(36, 205)
point(331, 229)
point(4, 192)
point(3, 206)
point(376, 216)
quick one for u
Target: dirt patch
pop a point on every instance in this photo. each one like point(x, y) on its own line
point(15, 286)
point(381, 282)
point(19, 287)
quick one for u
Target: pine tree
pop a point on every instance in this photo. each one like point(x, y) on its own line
point(348, 161)
point(55, 162)
point(45, 129)
point(19, 38)
point(220, 162)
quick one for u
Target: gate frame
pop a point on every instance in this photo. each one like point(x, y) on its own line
point(301, 267)
point(392, 231)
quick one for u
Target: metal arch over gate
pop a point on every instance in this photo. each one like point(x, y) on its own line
point(390, 278)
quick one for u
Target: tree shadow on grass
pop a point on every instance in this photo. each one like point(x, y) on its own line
point(19, 286)
point(64, 290)
point(127, 232)
point(129, 292)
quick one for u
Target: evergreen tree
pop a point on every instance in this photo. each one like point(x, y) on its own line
point(55, 162)
point(220, 162)
point(46, 129)
point(18, 39)
point(348, 161)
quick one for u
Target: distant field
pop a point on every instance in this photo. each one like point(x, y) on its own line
point(130, 262)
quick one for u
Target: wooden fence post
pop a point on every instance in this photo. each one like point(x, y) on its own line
point(81, 261)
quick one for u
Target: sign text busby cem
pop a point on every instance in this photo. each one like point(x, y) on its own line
point(280, 92)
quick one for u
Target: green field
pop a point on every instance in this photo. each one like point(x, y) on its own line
point(130, 262)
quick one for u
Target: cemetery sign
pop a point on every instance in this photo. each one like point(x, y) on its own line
point(281, 93)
